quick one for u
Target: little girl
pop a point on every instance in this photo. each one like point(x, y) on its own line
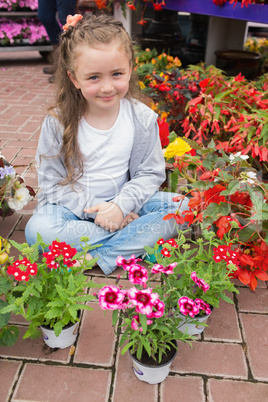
point(99, 158)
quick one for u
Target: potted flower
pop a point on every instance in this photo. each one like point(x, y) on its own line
point(149, 327)
point(52, 293)
point(193, 278)
point(14, 194)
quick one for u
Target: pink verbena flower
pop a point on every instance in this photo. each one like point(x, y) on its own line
point(110, 298)
point(136, 325)
point(125, 264)
point(158, 309)
point(188, 306)
point(143, 300)
point(137, 274)
point(166, 270)
point(200, 282)
point(203, 305)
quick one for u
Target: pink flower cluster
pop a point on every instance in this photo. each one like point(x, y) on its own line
point(30, 30)
point(192, 307)
point(10, 5)
point(22, 269)
point(145, 302)
point(60, 251)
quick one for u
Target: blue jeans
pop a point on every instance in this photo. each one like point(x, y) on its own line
point(53, 221)
point(47, 10)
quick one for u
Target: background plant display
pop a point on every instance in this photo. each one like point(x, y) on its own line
point(22, 31)
point(227, 197)
point(51, 292)
point(12, 5)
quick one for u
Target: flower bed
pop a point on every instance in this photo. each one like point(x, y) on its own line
point(22, 31)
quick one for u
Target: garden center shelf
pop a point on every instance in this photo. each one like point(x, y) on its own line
point(254, 12)
point(227, 24)
point(43, 49)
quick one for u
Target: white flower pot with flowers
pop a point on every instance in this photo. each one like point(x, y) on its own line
point(195, 276)
point(51, 293)
point(149, 329)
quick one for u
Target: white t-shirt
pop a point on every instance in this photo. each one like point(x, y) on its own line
point(106, 154)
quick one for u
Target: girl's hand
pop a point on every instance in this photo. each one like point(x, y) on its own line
point(109, 215)
point(129, 218)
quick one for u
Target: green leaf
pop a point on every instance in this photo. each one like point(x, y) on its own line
point(58, 328)
point(114, 317)
point(9, 335)
point(233, 186)
point(143, 321)
point(4, 318)
point(221, 95)
point(5, 285)
point(174, 179)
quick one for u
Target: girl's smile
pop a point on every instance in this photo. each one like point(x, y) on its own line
point(102, 74)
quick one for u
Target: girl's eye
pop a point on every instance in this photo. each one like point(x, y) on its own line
point(117, 74)
point(93, 78)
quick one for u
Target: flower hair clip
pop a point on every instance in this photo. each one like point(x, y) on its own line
point(72, 21)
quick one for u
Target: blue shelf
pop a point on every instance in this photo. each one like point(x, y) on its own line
point(254, 12)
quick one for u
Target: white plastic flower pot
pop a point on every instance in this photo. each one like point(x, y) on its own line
point(65, 339)
point(193, 329)
point(151, 374)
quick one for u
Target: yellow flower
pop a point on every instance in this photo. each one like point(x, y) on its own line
point(141, 84)
point(176, 148)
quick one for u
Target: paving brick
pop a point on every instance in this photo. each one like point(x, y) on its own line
point(8, 224)
point(256, 337)
point(9, 372)
point(34, 349)
point(211, 358)
point(236, 391)
point(182, 389)
point(223, 324)
point(96, 340)
point(250, 301)
point(62, 384)
point(127, 387)
point(9, 153)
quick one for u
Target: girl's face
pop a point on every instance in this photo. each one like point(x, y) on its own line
point(102, 74)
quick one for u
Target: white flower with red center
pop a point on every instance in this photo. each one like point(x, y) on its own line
point(165, 252)
point(143, 300)
point(200, 282)
point(126, 264)
point(203, 305)
point(158, 309)
point(110, 297)
point(136, 325)
point(188, 307)
point(166, 270)
point(137, 274)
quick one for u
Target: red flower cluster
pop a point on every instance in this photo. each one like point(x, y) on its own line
point(22, 269)
point(60, 251)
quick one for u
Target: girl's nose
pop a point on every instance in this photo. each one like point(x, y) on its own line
point(107, 86)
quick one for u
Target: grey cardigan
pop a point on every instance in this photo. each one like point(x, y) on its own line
point(146, 167)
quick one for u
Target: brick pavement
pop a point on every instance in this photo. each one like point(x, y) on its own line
point(229, 362)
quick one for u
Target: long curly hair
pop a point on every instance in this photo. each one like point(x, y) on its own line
point(70, 105)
